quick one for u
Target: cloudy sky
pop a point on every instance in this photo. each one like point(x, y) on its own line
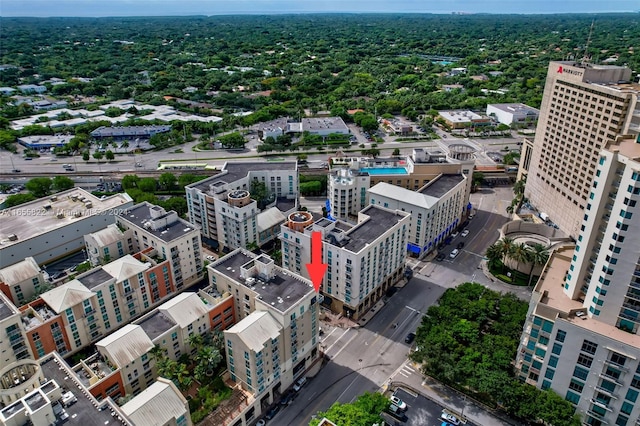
point(43, 8)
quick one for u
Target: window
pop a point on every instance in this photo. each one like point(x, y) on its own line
point(580, 373)
point(572, 397)
point(589, 347)
point(553, 361)
point(576, 385)
point(618, 359)
point(557, 348)
point(585, 360)
point(560, 336)
point(632, 395)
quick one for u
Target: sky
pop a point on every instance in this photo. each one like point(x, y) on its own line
point(94, 8)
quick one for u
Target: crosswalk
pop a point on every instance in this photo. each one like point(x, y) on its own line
point(407, 370)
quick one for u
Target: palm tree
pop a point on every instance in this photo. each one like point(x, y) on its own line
point(494, 255)
point(196, 341)
point(208, 358)
point(506, 246)
point(538, 255)
point(519, 253)
point(157, 353)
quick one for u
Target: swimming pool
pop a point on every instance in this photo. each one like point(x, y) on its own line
point(385, 170)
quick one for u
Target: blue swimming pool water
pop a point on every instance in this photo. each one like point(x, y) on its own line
point(385, 170)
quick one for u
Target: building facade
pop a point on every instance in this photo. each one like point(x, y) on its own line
point(364, 260)
point(22, 281)
point(581, 334)
point(107, 244)
point(583, 107)
point(222, 207)
point(13, 343)
point(276, 338)
point(437, 209)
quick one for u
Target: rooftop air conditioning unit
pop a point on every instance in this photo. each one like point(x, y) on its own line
point(60, 215)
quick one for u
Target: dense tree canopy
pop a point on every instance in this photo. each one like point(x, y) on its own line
point(365, 411)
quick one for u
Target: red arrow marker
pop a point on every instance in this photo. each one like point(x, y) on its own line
point(316, 268)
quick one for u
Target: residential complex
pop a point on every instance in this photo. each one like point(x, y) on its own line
point(437, 209)
point(50, 228)
point(583, 107)
point(222, 207)
point(173, 239)
point(364, 260)
point(22, 281)
point(580, 338)
point(276, 338)
point(351, 177)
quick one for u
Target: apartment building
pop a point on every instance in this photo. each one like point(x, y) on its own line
point(364, 260)
point(52, 227)
point(107, 244)
point(173, 239)
point(276, 338)
point(22, 281)
point(124, 363)
point(13, 345)
point(222, 207)
point(581, 334)
point(47, 391)
point(583, 107)
point(437, 209)
point(351, 177)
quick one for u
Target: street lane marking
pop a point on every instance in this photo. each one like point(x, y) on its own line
point(345, 345)
point(334, 343)
point(327, 336)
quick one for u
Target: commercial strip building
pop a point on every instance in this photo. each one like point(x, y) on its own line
point(128, 132)
point(436, 209)
point(53, 227)
point(513, 113)
point(460, 119)
point(47, 392)
point(364, 260)
point(222, 207)
point(580, 337)
point(276, 338)
point(583, 107)
point(322, 126)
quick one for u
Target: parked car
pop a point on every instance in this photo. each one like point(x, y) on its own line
point(450, 418)
point(397, 413)
point(211, 258)
point(397, 401)
point(299, 384)
point(471, 216)
point(454, 235)
point(272, 412)
point(410, 338)
point(68, 398)
point(464, 233)
point(454, 253)
point(440, 257)
point(16, 170)
point(288, 398)
point(460, 246)
point(261, 422)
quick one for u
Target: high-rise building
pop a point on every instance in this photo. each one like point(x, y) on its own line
point(581, 334)
point(364, 260)
point(583, 107)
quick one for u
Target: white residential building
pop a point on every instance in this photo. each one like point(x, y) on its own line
point(364, 260)
point(161, 404)
point(22, 281)
point(581, 334)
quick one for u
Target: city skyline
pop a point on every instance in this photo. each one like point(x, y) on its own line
point(103, 8)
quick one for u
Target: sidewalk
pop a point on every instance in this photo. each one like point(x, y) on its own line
point(458, 404)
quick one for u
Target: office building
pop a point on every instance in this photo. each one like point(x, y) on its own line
point(437, 209)
point(276, 338)
point(513, 113)
point(581, 334)
point(53, 227)
point(364, 260)
point(22, 281)
point(222, 207)
point(583, 107)
point(174, 239)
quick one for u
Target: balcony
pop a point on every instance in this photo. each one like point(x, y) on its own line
point(598, 417)
point(601, 404)
point(610, 378)
point(616, 366)
point(606, 392)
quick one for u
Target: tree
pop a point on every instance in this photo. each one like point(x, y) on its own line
point(177, 204)
point(167, 181)
point(85, 156)
point(365, 411)
point(537, 255)
point(98, 155)
point(259, 192)
point(519, 253)
point(62, 183)
point(233, 140)
point(39, 187)
point(195, 341)
point(109, 155)
point(130, 181)
point(396, 152)
point(17, 199)
point(148, 185)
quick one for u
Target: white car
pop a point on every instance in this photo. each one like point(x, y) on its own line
point(454, 253)
point(464, 233)
point(299, 384)
point(211, 258)
point(450, 418)
point(398, 402)
point(454, 235)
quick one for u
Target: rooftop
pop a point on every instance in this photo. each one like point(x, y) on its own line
point(67, 295)
point(125, 267)
point(157, 405)
point(323, 123)
point(20, 271)
point(43, 215)
point(232, 172)
point(256, 329)
point(143, 131)
point(404, 195)
point(516, 107)
point(282, 291)
point(7, 308)
point(459, 116)
point(94, 278)
point(87, 411)
point(185, 308)
point(166, 226)
point(156, 324)
point(379, 220)
point(441, 185)
point(125, 345)
point(629, 146)
point(108, 235)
